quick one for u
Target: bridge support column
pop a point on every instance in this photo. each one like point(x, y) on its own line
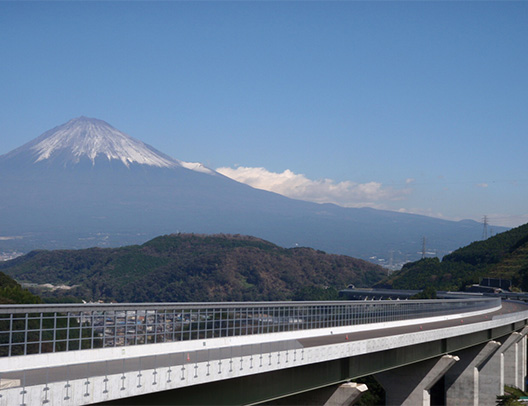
point(462, 381)
point(491, 375)
point(522, 363)
point(521, 359)
point(491, 379)
point(346, 394)
point(515, 360)
point(410, 385)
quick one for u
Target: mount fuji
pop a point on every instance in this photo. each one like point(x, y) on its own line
point(85, 183)
point(90, 139)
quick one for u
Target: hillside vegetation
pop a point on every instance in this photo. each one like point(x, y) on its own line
point(502, 256)
point(11, 292)
point(189, 267)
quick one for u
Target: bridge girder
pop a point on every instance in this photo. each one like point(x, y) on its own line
point(270, 386)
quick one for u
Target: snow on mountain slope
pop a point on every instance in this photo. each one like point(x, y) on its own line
point(92, 138)
point(197, 167)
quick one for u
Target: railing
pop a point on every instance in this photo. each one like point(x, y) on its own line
point(34, 329)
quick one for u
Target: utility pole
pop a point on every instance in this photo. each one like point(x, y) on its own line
point(485, 230)
point(423, 247)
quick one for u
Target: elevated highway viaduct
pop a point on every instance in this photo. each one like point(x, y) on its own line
point(460, 351)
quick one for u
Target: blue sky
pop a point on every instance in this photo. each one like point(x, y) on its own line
point(412, 106)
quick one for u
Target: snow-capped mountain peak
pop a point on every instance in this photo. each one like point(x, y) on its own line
point(91, 138)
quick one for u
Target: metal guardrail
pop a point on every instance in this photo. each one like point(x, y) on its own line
point(35, 329)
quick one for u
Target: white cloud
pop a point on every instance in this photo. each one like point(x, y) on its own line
point(298, 186)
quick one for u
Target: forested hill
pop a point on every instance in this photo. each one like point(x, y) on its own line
point(504, 255)
point(11, 292)
point(190, 267)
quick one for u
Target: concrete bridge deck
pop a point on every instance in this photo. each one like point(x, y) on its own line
point(168, 367)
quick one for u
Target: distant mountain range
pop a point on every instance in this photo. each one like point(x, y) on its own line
point(85, 184)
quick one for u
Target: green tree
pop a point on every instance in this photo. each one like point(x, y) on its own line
point(428, 293)
point(509, 400)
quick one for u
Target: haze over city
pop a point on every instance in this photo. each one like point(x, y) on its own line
point(408, 106)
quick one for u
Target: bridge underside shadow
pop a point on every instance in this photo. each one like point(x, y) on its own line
point(253, 389)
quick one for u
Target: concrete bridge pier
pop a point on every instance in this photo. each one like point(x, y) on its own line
point(410, 385)
point(346, 394)
point(491, 378)
point(522, 362)
point(515, 360)
point(492, 374)
point(462, 381)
